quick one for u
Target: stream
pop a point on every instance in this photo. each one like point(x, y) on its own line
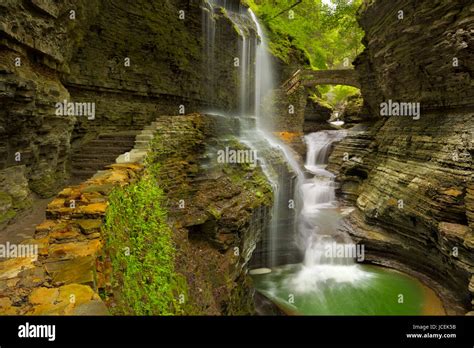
point(329, 281)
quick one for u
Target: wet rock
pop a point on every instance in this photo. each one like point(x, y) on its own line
point(225, 212)
point(317, 115)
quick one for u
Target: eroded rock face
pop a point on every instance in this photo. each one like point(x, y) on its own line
point(78, 51)
point(168, 68)
point(355, 111)
point(411, 180)
point(424, 57)
point(316, 115)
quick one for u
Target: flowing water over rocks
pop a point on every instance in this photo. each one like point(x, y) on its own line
point(285, 218)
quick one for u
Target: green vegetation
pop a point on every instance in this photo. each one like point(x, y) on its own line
point(326, 30)
point(139, 244)
point(323, 34)
point(336, 95)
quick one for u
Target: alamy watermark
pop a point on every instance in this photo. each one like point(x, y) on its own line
point(391, 108)
point(9, 250)
point(346, 251)
point(66, 108)
point(233, 156)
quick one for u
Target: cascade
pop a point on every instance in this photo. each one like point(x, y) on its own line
point(256, 83)
point(328, 253)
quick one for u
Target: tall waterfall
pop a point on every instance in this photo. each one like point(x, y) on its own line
point(256, 83)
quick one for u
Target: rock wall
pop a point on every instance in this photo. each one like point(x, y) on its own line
point(34, 48)
point(168, 65)
point(411, 179)
point(76, 50)
point(62, 274)
point(421, 54)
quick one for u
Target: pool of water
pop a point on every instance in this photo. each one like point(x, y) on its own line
point(379, 291)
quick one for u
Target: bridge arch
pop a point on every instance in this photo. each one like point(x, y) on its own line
point(311, 78)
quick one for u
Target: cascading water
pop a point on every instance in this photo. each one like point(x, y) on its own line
point(317, 217)
point(256, 83)
point(324, 283)
point(209, 33)
point(317, 222)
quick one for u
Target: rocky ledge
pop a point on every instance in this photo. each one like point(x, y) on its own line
point(63, 278)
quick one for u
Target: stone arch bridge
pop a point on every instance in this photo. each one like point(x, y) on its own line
point(311, 78)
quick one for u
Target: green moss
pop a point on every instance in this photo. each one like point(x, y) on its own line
point(4, 218)
point(139, 244)
point(321, 101)
point(5, 199)
point(214, 212)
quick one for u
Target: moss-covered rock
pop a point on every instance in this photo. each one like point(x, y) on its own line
point(212, 210)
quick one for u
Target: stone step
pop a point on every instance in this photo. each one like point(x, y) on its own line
point(142, 145)
point(144, 137)
point(89, 165)
point(134, 156)
point(96, 156)
point(118, 136)
point(115, 142)
point(83, 174)
point(115, 150)
point(147, 132)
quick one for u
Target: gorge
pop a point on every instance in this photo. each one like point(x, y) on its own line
point(148, 212)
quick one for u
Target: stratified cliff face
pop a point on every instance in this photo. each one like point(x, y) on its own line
point(418, 51)
point(411, 179)
point(165, 43)
point(134, 60)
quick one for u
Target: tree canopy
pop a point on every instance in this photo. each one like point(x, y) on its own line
point(326, 30)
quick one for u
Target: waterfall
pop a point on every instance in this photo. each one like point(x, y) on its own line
point(256, 83)
point(328, 254)
point(209, 33)
point(311, 224)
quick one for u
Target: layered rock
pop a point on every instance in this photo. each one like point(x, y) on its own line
point(168, 64)
point(35, 46)
point(411, 179)
point(62, 275)
point(218, 210)
point(417, 51)
point(354, 111)
point(135, 61)
point(218, 213)
point(316, 115)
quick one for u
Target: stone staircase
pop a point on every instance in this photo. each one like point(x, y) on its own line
point(98, 153)
point(142, 144)
point(119, 147)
